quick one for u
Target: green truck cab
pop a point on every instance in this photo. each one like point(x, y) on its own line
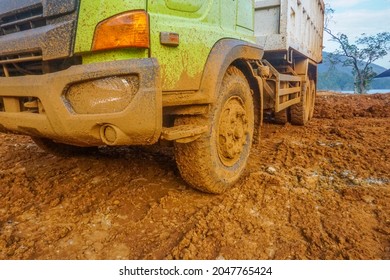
point(81, 73)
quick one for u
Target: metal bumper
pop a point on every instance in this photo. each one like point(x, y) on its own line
point(138, 123)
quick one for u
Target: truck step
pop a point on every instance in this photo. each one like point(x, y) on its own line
point(183, 133)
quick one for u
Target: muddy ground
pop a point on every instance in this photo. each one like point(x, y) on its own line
point(315, 192)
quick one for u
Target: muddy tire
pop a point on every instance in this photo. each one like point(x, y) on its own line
point(216, 160)
point(60, 149)
point(281, 117)
point(300, 113)
point(313, 93)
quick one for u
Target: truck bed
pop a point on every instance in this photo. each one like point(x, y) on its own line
point(290, 25)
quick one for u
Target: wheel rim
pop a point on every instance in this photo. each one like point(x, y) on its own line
point(233, 129)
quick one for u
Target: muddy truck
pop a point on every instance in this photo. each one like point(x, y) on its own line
point(201, 75)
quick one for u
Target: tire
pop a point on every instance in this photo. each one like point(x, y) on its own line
point(61, 149)
point(281, 117)
point(300, 113)
point(313, 94)
point(215, 161)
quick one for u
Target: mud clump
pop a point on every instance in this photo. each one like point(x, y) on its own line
point(316, 192)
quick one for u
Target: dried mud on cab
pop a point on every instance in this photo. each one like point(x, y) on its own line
point(314, 192)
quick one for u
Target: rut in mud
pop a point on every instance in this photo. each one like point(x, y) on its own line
point(316, 192)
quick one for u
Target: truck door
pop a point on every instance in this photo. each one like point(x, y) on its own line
point(181, 38)
point(245, 18)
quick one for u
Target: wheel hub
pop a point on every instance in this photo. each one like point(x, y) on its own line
point(232, 131)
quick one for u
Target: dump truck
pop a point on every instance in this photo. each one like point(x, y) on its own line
point(199, 74)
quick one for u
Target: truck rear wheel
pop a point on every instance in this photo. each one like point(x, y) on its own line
point(300, 113)
point(313, 93)
point(61, 149)
point(216, 160)
point(281, 117)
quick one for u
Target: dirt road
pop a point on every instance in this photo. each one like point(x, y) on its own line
point(315, 192)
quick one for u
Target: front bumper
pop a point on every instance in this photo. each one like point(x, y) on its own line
point(136, 123)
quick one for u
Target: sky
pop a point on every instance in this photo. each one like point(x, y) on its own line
point(354, 17)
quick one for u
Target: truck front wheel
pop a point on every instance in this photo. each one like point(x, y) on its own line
point(216, 160)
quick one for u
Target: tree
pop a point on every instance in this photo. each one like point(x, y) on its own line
point(359, 55)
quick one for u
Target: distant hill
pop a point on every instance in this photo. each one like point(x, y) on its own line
point(340, 77)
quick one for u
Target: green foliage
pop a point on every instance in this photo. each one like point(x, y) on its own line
point(339, 78)
point(334, 80)
point(359, 55)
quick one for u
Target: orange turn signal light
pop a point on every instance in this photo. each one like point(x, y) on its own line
point(126, 30)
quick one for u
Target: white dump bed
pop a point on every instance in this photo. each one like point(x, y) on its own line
point(285, 25)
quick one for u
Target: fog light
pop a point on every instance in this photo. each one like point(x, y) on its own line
point(102, 96)
point(109, 134)
point(113, 136)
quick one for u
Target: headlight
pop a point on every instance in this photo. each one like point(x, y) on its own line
point(102, 96)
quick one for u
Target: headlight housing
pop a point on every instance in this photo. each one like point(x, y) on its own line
point(102, 96)
point(125, 30)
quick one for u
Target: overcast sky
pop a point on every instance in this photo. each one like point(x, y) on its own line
point(354, 17)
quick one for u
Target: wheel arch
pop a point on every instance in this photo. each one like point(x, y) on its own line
point(225, 53)
point(232, 52)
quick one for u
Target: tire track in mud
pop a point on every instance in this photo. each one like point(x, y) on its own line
point(303, 201)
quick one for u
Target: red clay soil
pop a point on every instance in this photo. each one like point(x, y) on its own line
point(316, 192)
